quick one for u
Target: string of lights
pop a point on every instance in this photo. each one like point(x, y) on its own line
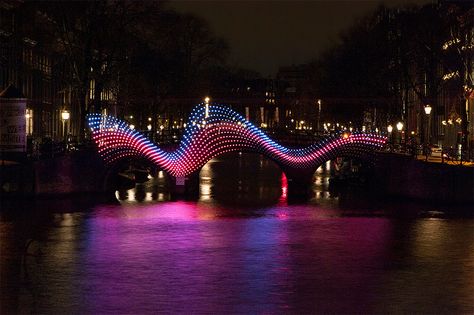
point(216, 129)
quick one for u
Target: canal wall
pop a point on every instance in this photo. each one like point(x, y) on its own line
point(401, 176)
point(77, 172)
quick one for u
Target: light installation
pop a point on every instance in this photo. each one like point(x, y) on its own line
point(216, 129)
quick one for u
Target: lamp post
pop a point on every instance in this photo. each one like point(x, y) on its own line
point(428, 109)
point(390, 129)
point(65, 115)
point(319, 114)
point(207, 99)
point(400, 130)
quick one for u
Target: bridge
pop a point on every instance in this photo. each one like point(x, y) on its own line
point(214, 129)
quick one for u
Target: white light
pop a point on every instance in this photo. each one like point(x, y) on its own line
point(131, 116)
point(162, 127)
point(149, 118)
point(148, 127)
point(207, 99)
point(399, 126)
point(132, 126)
point(65, 115)
point(389, 128)
point(428, 109)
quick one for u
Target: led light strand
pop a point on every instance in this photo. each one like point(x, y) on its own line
point(214, 130)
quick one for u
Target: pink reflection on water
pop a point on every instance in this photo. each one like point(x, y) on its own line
point(284, 188)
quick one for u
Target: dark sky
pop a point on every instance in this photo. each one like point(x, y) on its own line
point(264, 35)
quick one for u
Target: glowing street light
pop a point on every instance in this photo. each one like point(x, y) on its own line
point(399, 126)
point(65, 115)
point(148, 127)
point(132, 126)
point(207, 99)
point(428, 127)
point(428, 109)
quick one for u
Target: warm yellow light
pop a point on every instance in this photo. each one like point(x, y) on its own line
point(399, 126)
point(65, 115)
point(345, 135)
point(389, 128)
point(207, 99)
point(148, 127)
point(132, 126)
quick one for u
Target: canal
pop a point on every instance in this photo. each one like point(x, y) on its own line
point(243, 246)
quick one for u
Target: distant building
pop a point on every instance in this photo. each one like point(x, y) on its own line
point(30, 61)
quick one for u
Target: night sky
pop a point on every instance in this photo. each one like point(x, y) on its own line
point(264, 35)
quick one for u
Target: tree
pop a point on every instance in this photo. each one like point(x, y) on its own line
point(91, 37)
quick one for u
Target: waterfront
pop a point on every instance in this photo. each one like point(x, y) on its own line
point(241, 247)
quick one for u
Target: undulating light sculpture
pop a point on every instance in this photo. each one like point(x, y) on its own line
point(221, 130)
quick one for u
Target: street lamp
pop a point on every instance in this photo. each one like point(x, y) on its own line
point(65, 115)
point(399, 126)
point(207, 99)
point(428, 109)
point(319, 112)
point(428, 127)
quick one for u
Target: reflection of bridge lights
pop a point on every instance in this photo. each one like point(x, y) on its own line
point(284, 187)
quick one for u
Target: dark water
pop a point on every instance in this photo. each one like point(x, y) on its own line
point(243, 247)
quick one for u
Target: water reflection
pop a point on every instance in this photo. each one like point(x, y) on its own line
point(241, 247)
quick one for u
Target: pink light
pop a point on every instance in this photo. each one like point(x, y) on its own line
point(222, 130)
